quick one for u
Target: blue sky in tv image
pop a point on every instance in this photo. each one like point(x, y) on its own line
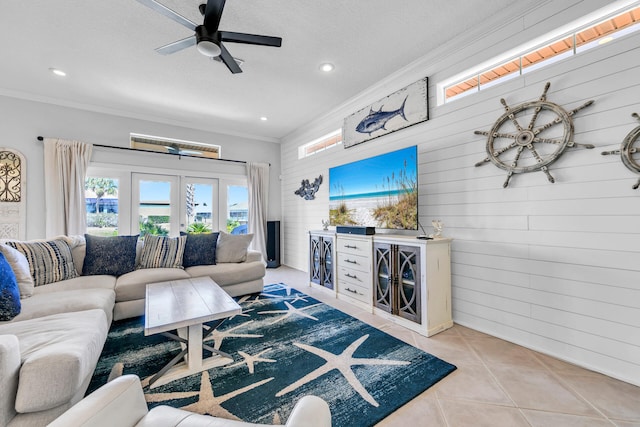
point(373, 177)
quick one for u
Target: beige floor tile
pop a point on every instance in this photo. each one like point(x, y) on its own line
point(415, 413)
point(494, 351)
point(552, 419)
point(626, 423)
point(560, 367)
point(616, 399)
point(466, 414)
point(453, 349)
point(538, 389)
point(472, 383)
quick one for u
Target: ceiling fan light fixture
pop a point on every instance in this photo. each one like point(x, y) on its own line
point(327, 67)
point(208, 48)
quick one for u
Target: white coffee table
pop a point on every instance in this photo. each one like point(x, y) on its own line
point(184, 305)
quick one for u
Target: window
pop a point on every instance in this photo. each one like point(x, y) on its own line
point(581, 39)
point(200, 202)
point(174, 146)
point(237, 209)
point(101, 200)
point(330, 140)
point(155, 205)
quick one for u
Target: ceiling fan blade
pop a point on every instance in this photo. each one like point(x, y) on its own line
point(228, 60)
point(230, 36)
point(212, 15)
point(177, 46)
point(164, 10)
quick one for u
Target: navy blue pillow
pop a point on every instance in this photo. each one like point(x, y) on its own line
point(200, 249)
point(113, 256)
point(9, 293)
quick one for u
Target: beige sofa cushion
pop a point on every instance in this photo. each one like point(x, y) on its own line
point(59, 352)
point(45, 304)
point(132, 286)
point(225, 274)
point(82, 282)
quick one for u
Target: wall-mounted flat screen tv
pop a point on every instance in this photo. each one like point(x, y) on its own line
point(380, 191)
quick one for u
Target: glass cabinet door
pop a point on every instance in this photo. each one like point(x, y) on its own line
point(314, 261)
point(383, 276)
point(327, 264)
point(408, 277)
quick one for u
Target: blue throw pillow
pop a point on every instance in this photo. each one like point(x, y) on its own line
point(113, 256)
point(200, 249)
point(9, 292)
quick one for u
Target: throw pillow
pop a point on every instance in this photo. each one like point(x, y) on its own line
point(200, 249)
point(20, 267)
point(232, 247)
point(9, 293)
point(114, 255)
point(49, 261)
point(162, 252)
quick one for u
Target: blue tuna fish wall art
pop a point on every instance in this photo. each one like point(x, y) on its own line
point(377, 119)
point(399, 110)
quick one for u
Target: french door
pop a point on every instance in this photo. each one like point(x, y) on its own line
point(168, 204)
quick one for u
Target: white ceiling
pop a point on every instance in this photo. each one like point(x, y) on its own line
point(107, 49)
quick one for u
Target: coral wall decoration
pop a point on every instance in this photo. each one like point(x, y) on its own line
point(307, 189)
point(630, 151)
point(530, 136)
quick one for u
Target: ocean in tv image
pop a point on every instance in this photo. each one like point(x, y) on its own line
point(380, 191)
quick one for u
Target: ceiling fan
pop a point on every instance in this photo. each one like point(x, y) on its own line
point(207, 38)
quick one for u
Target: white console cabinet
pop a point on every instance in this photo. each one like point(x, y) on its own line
point(401, 278)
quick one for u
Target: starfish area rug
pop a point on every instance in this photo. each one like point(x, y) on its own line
point(285, 345)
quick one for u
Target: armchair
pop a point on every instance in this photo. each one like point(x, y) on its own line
point(121, 403)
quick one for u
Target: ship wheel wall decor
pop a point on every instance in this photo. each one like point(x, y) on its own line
point(530, 136)
point(630, 151)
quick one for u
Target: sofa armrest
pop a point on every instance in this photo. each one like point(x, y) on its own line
point(118, 403)
point(253, 256)
point(310, 411)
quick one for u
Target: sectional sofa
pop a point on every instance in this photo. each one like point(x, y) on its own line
point(48, 351)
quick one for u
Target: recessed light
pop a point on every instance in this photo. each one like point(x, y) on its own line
point(327, 67)
point(263, 118)
point(57, 72)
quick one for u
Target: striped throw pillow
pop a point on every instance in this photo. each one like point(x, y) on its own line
point(49, 261)
point(162, 252)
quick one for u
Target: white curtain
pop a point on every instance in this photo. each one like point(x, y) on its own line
point(258, 180)
point(65, 168)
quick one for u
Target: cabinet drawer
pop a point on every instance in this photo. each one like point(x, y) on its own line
point(355, 262)
point(354, 246)
point(356, 291)
point(350, 275)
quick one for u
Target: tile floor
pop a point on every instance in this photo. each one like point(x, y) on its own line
point(497, 383)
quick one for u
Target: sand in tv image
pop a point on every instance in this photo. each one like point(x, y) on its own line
point(380, 191)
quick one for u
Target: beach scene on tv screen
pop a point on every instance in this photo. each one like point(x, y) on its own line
point(380, 191)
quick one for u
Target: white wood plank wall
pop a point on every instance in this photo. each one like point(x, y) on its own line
point(553, 267)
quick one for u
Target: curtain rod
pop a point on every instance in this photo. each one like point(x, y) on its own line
point(40, 138)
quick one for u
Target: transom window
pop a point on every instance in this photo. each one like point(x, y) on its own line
point(583, 38)
point(330, 140)
point(174, 146)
